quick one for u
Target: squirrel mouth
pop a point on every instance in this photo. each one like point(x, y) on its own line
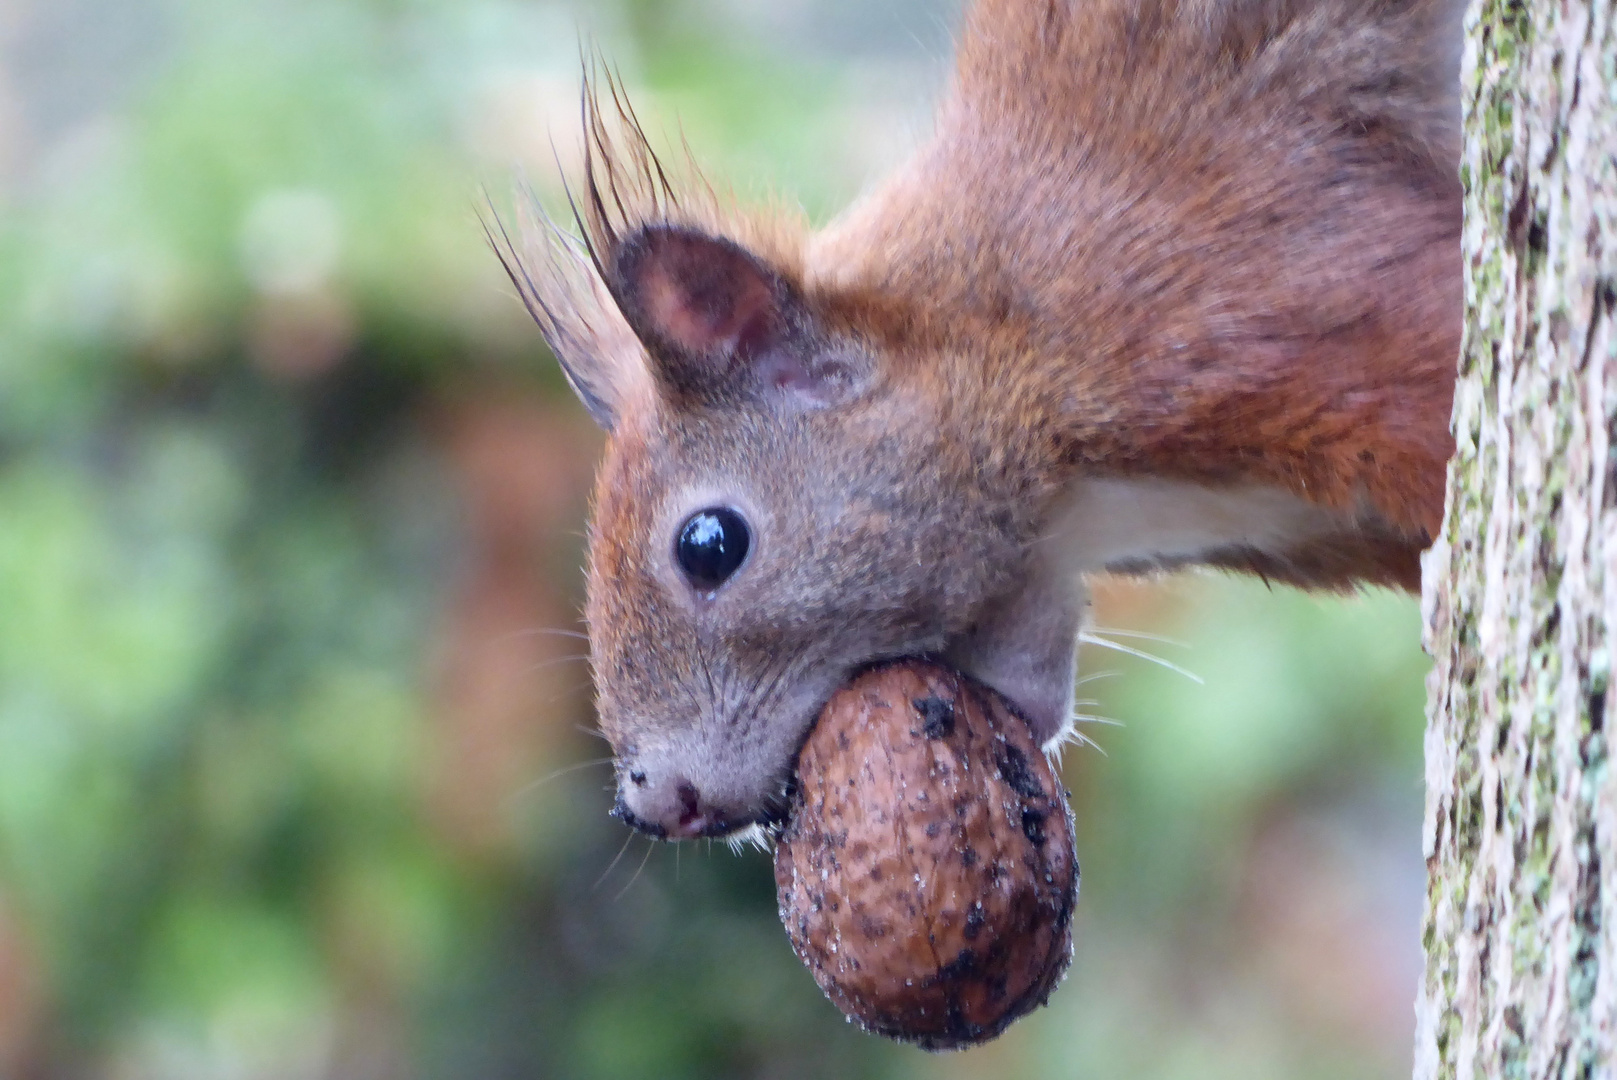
point(772, 820)
point(766, 824)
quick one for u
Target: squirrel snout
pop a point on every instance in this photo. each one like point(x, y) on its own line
point(671, 807)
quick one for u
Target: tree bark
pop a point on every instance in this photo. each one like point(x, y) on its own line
point(1521, 589)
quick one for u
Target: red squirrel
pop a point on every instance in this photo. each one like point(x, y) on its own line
point(1174, 282)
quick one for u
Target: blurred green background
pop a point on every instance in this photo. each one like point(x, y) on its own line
point(296, 776)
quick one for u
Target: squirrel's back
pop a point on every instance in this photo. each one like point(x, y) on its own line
point(1228, 230)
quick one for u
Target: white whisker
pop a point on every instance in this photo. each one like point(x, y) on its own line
point(553, 661)
point(1097, 675)
point(567, 692)
point(1139, 634)
point(613, 864)
point(533, 785)
point(1089, 639)
point(651, 846)
point(1077, 737)
point(752, 836)
point(535, 631)
point(1087, 718)
point(1070, 737)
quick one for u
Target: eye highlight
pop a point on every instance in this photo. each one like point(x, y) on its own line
point(712, 545)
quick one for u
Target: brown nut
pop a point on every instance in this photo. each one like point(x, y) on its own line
point(927, 873)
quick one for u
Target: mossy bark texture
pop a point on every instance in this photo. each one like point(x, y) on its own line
point(1521, 588)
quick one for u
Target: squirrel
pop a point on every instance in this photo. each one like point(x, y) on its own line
point(1174, 282)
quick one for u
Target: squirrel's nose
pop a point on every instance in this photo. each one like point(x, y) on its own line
point(669, 807)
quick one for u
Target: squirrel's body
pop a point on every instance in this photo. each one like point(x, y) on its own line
point(1173, 283)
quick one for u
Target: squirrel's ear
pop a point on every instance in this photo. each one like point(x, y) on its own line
point(719, 323)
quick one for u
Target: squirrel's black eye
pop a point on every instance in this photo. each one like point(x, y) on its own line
point(711, 546)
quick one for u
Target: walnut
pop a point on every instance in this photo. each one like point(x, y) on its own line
point(927, 875)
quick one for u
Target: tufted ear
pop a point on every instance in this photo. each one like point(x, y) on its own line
point(602, 358)
point(720, 324)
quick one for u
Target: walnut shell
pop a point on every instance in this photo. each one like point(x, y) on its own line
point(927, 875)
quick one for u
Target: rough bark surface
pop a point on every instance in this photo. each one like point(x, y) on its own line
point(1521, 590)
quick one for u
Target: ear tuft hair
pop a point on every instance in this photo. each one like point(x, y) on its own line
point(603, 360)
point(628, 194)
point(628, 187)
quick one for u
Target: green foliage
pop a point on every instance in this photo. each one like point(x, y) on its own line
point(235, 307)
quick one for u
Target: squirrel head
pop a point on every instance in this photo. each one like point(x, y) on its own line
point(773, 512)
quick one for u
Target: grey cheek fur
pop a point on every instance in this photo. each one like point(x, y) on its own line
point(1026, 647)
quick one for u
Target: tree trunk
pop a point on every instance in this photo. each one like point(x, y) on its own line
point(1521, 813)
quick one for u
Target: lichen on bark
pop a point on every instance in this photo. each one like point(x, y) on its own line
point(1521, 591)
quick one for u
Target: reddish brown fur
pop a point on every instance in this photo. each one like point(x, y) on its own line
point(1203, 241)
point(1233, 273)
